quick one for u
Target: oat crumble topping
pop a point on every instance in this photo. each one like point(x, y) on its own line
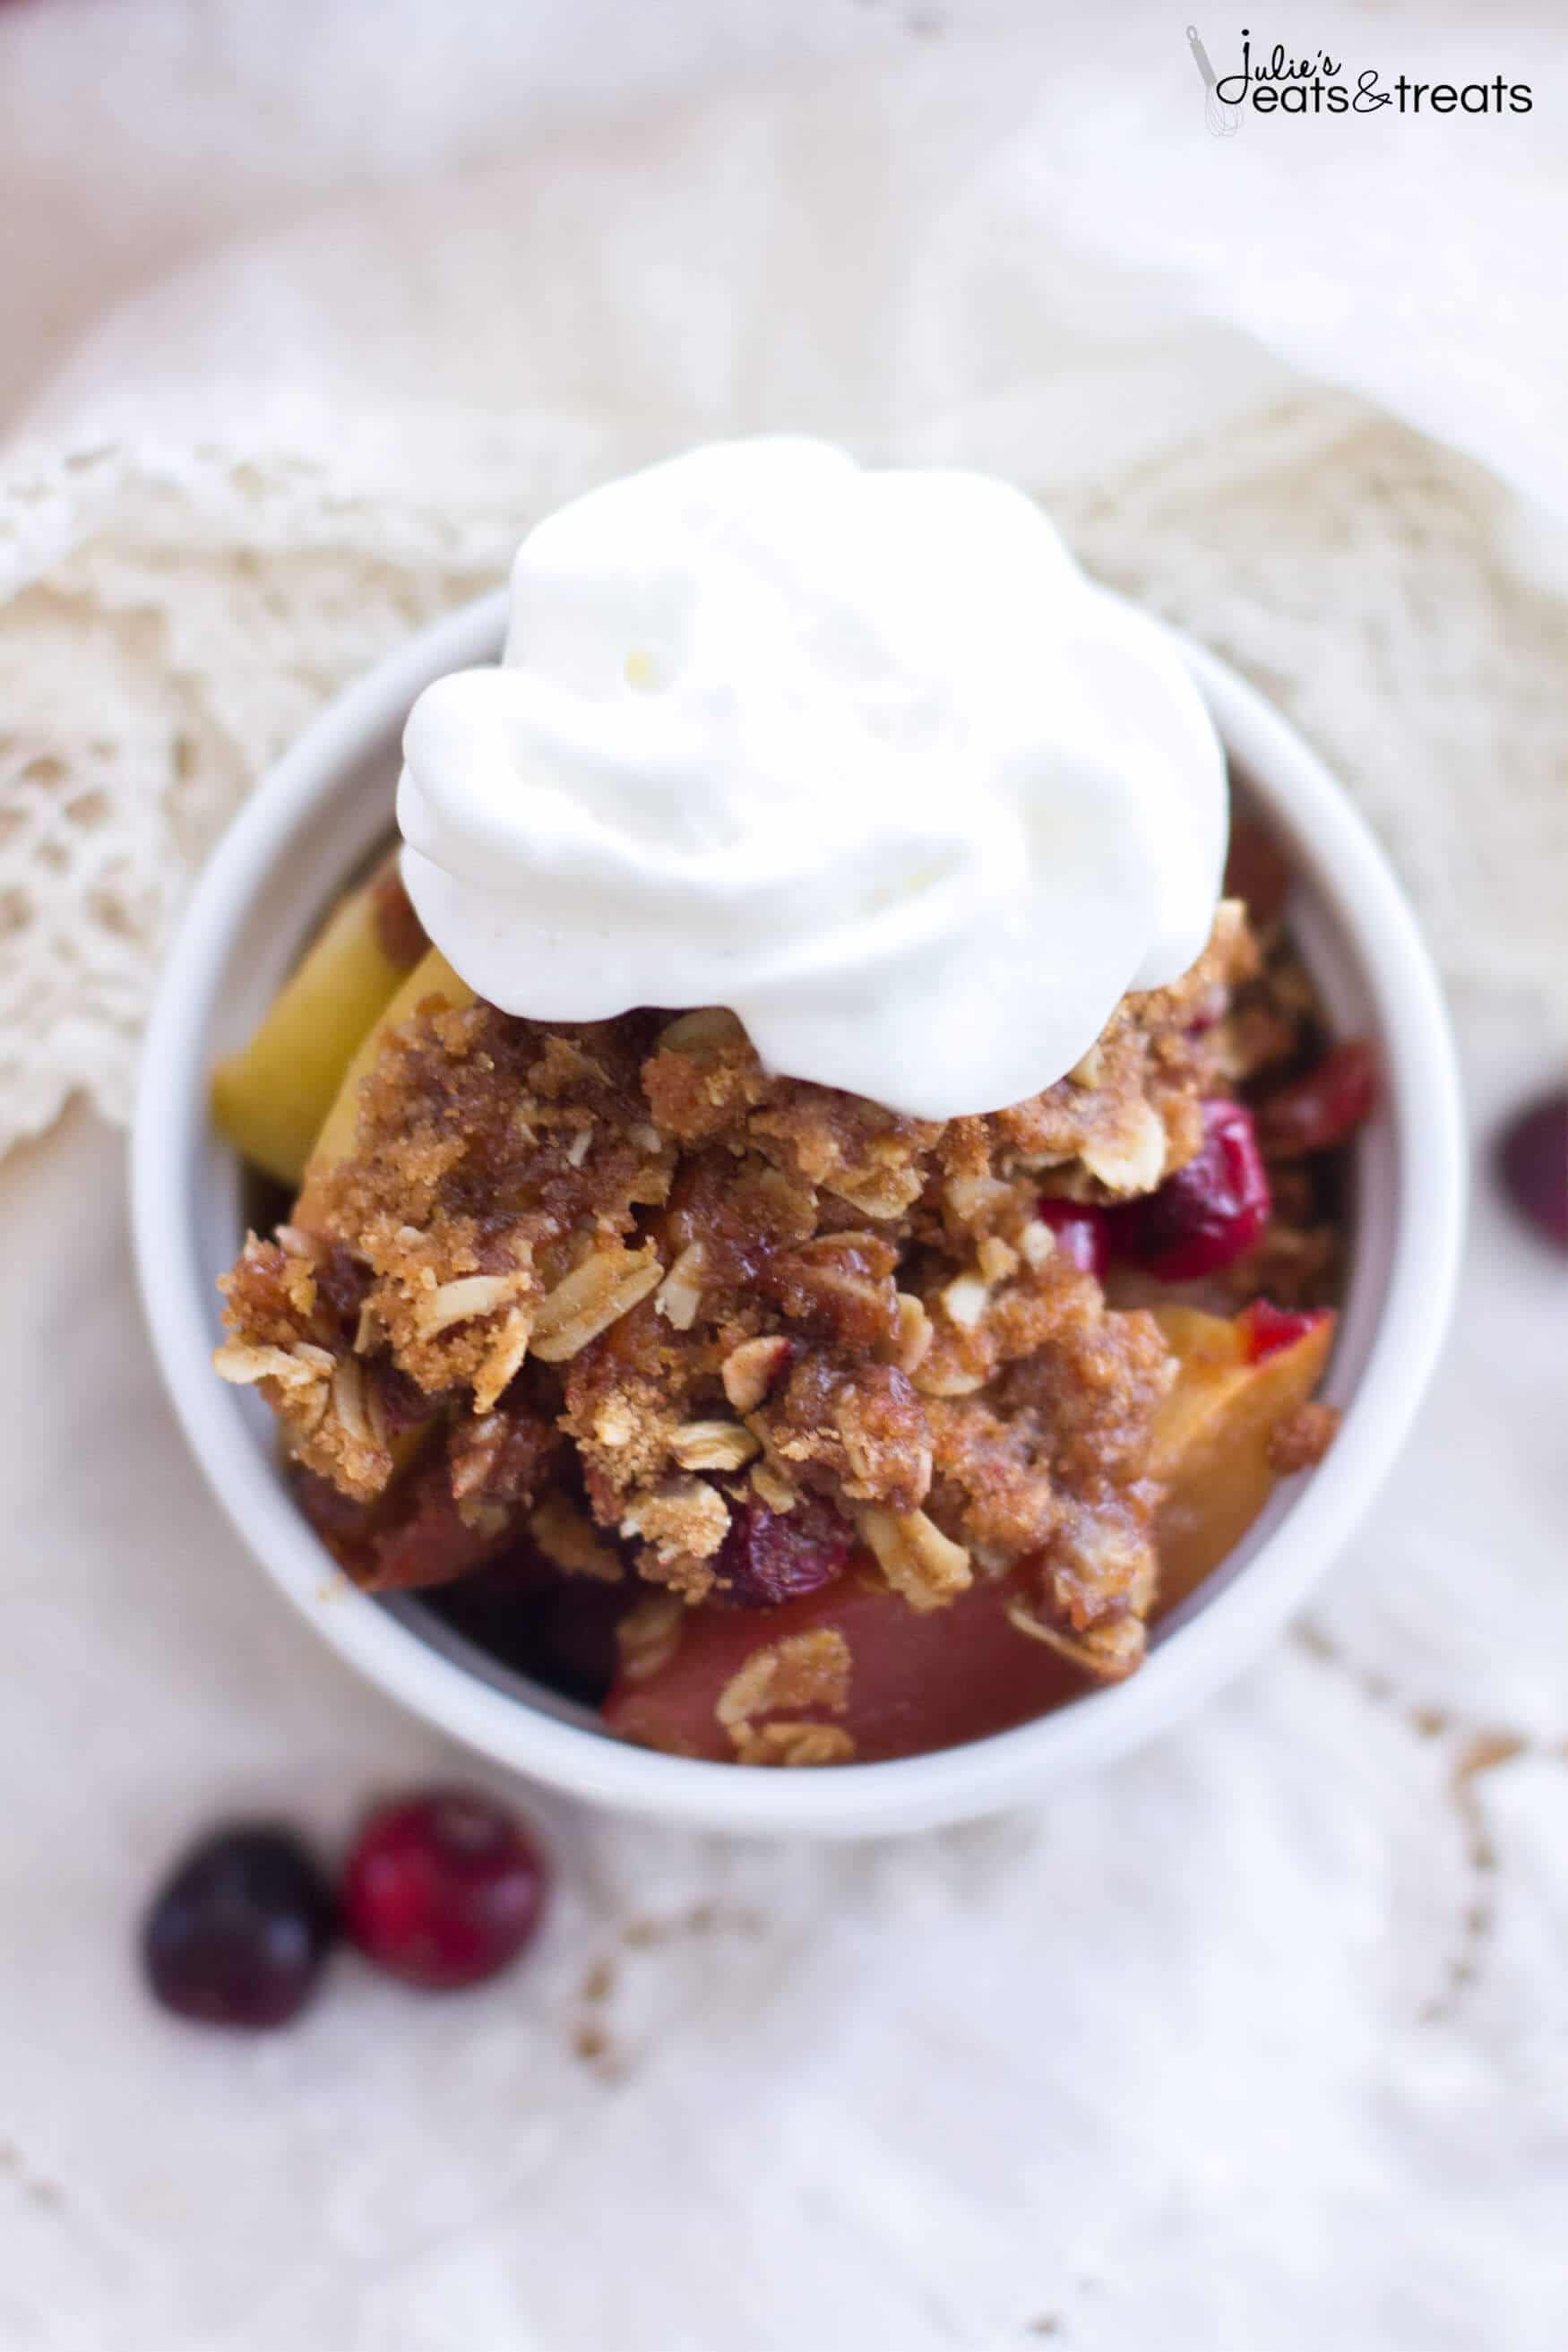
point(614, 1286)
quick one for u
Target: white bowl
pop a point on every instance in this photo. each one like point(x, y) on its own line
point(320, 813)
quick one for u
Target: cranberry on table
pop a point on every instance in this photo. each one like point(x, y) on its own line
point(1080, 1233)
point(443, 1890)
point(1209, 1212)
point(1533, 1162)
point(1323, 1107)
point(771, 1557)
point(239, 1932)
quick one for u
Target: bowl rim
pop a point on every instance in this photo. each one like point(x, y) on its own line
point(1331, 841)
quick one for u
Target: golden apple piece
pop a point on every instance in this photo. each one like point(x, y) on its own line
point(431, 976)
point(271, 1097)
point(1213, 1436)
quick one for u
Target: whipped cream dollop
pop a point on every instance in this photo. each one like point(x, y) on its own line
point(860, 754)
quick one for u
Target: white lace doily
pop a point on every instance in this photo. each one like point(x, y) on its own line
point(1252, 2044)
point(250, 481)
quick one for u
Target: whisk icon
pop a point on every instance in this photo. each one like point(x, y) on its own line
point(1222, 121)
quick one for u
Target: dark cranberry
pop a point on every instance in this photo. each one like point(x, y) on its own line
point(768, 1557)
point(561, 1629)
point(404, 1405)
point(1267, 1328)
point(1080, 1229)
point(1209, 1212)
point(1532, 1160)
point(1256, 870)
point(1322, 1107)
point(342, 1282)
point(573, 1645)
point(238, 1934)
point(443, 1890)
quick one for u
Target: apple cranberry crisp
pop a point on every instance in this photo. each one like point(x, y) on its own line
point(859, 1432)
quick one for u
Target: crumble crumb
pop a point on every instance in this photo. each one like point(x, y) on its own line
point(805, 1670)
point(1301, 1440)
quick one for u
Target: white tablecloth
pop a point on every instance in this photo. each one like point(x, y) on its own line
point(1255, 2041)
point(1254, 2044)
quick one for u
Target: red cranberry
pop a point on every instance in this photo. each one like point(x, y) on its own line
point(1322, 1107)
point(1210, 1012)
point(1267, 1328)
point(1080, 1229)
point(1532, 1160)
point(239, 1932)
point(1209, 1212)
point(443, 1890)
point(768, 1557)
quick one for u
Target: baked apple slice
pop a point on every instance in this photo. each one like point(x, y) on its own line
point(1242, 1380)
point(271, 1097)
point(891, 1680)
point(431, 976)
point(850, 1672)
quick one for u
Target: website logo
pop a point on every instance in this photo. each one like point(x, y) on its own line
point(1224, 121)
point(1275, 81)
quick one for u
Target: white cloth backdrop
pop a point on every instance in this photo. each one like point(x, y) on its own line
point(1256, 2042)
